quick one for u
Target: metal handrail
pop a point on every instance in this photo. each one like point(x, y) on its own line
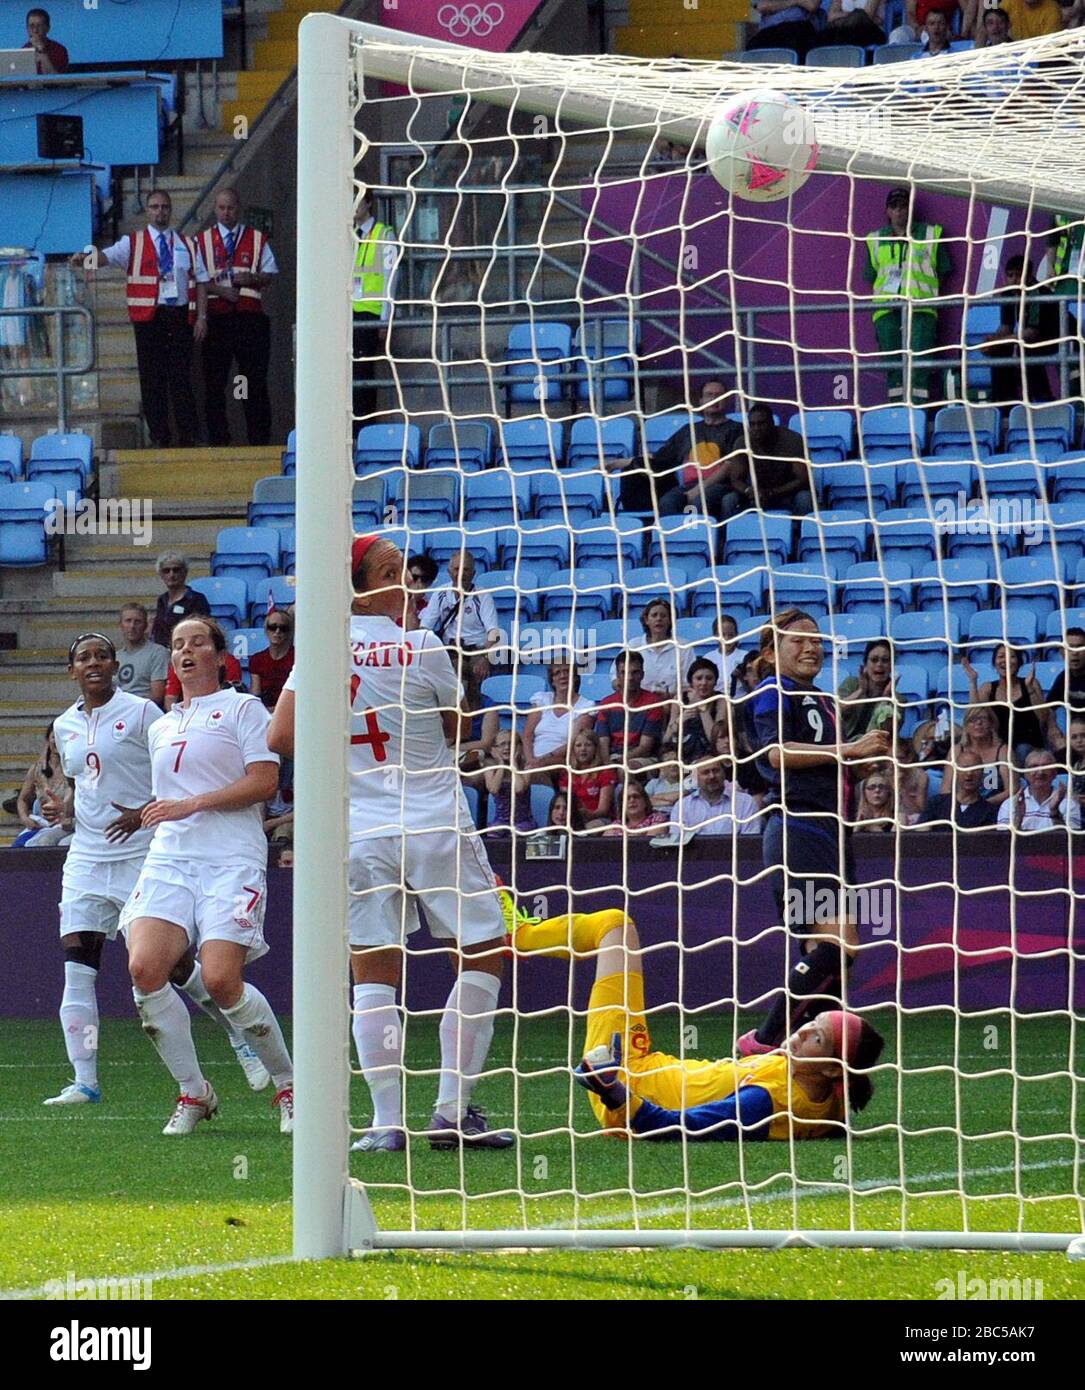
point(60, 369)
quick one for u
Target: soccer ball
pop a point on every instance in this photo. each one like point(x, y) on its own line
point(762, 146)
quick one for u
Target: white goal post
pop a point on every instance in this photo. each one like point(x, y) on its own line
point(332, 1212)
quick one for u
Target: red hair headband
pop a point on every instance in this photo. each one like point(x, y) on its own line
point(358, 550)
point(847, 1029)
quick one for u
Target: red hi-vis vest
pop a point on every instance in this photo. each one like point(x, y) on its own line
point(143, 277)
point(248, 252)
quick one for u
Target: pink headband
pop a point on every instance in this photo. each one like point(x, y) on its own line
point(852, 1025)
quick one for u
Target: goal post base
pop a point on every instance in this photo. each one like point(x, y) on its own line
point(1024, 1242)
point(359, 1224)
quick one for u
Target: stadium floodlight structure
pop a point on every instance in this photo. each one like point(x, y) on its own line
point(1003, 126)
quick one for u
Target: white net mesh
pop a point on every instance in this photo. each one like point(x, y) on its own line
point(581, 326)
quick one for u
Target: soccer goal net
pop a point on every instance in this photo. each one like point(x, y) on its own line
point(660, 419)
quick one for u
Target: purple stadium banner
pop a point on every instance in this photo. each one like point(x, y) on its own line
point(953, 932)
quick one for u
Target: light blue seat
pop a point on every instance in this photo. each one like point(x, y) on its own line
point(513, 691)
point(761, 56)
point(280, 591)
point(1066, 532)
point(501, 497)
point(66, 460)
point(591, 440)
point(856, 629)
point(246, 552)
point(11, 458)
point(245, 642)
point(854, 486)
point(913, 692)
point(907, 533)
point(696, 632)
point(531, 443)
point(290, 453)
point(1032, 584)
point(805, 585)
point(597, 687)
point(1056, 627)
point(835, 539)
point(921, 479)
point(981, 321)
point(1040, 431)
point(956, 586)
point(829, 434)
point(735, 589)
point(603, 351)
point(640, 587)
point(543, 543)
point(896, 52)
point(617, 540)
point(426, 497)
point(611, 637)
point(274, 502)
point(516, 595)
point(442, 542)
point(575, 497)
point(587, 595)
point(891, 432)
point(383, 446)
point(1068, 478)
point(680, 538)
point(229, 600)
point(1006, 476)
point(659, 428)
point(369, 502)
point(926, 639)
point(466, 445)
point(992, 627)
point(541, 797)
point(966, 431)
point(288, 553)
point(764, 537)
point(836, 55)
point(23, 539)
point(877, 589)
point(536, 356)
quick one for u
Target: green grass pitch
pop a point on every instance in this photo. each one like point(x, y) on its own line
point(98, 1192)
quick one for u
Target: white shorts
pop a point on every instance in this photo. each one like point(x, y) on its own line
point(94, 891)
point(210, 902)
point(448, 873)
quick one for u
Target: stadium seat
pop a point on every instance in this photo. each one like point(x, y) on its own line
point(640, 587)
point(835, 540)
point(597, 687)
point(806, 586)
point(617, 540)
point(836, 55)
point(1032, 584)
point(953, 586)
point(1055, 629)
point(892, 432)
point(23, 540)
point(11, 458)
point(512, 692)
point(896, 52)
point(288, 549)
point(614, 636)
point(477, 807)
point(383, 446)
point(697, 632)
point(466, 445)
point(979, 540)
point(543, 544)
point(499, 496)
point(273, 502)
point(602, 348)
point(591, 440)
point(829, 434)
point(659, 428)
point(442, 542)
point(290, 453)
point(1004, 475)
point(855, 486)
point(763, 537)
point(856, 629)
point(1065, 531)
point(913, 692)
point(1040, 431)
point(906, 533)
point(576, 497)
point(229, 600)
point(530, 443)
point(1068, 476)
point(539, 643)
point(65, 460)
point(929, 640)
point(516, 595)
point(923, 479)
point(877, 590)
point(536, 356)
point(991, 628)
point(425, 498)
point(680, 539)
point(280, 591)
point(245, 642)
point(763, 55)
point(961, 430)
point(246, 552)
point(541, 797)
point(586, 595)
point(981, 321)
point(368, 502)
point(734, 589)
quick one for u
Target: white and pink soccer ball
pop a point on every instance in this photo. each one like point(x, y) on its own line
point(762, 146)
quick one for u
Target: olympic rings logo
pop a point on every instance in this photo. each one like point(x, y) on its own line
point(479, 20)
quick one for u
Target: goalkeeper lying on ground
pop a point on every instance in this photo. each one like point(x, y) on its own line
point(798, 1091)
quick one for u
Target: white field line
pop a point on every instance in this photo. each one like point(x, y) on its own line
point(661, 1210)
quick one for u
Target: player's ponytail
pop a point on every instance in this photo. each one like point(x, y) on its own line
point(865, 1055)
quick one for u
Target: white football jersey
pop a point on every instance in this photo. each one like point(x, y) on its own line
point(202, 748)
point(403, 776)
point(105, 753)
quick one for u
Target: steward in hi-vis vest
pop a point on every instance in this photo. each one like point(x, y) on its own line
point(906, 261)
point(372, 282)
point(239, 264)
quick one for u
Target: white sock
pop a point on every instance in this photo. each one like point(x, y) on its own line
point(252, 1016)
point(467, 1029)
point(378, 1038)
point(196, 990)
point(167, 1023)
point(79, 1019)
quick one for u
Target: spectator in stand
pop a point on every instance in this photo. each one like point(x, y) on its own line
point(167, 304)
point(963, 807)
point(774, 475)
point(912, 799)
point(1018, 703)
point(1068, 687)
point(637, 815)
point(668, 784)
point(1037, 803)
point(994, 27)
point(906, 261)
point(41, 803)
point(1030, 318)
point(725, 630)
point(694, 718)
point(52, 56)
point(239, 263)
point(630, 722)
point(508, 788)
point(422, 570)
point(662, 656)
point(1072, 13)
point(279, 811)
point(458, 614)
point(786, 24)
point(1031, 19)
point(564, 814)
point(1076, 812)
point(688, 469)
point(866, 700)
point(473, 751)
point(877, 810)
point(558, 714)
point(979, 735)
point(374, 280)
point(718, 806)
point(179, 601)
point(854, 21)
point(269, 669)
point(144, 665)
point(935, 37)
point(590, 781)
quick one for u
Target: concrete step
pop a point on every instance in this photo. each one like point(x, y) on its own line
point(33, 657)
point(180, 474)
point(118, 584)
point(55, 690)
point(190, 537)
point(704, 39)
